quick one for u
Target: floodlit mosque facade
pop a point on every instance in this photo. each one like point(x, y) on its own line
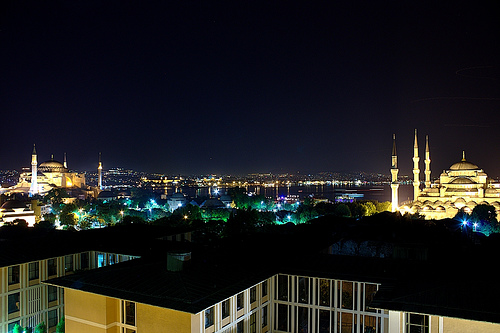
point(462, 187)
point(52, 174)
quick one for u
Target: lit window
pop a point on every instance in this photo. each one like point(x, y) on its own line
point(209, 317)
point(14, 304)
point(101, 260)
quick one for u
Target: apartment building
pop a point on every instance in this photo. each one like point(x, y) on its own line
point(27, 302)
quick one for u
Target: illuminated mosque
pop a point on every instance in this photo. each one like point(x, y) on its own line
point(54, 174)
point(460, 188)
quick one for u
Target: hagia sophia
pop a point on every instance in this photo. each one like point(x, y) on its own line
point(460, 188)
point(53, 174)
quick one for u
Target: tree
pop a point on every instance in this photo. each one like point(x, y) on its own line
point(60, 326)
point(485, 217)
point(41, 328)
point(67, 216)
point(18, 329)
point(342, 210)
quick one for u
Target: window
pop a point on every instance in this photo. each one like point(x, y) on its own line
point(209, 317)
point(112, 259)
point(52, 318)
point(51, 293)
point(324, 292)
point(14, 304)
point(13, 274)
point(101, 260)
point(370, 290)
point(303, 292)
point(240, 327)
point(10, 327)
point(253, 294)
point(52, 267)
point(34, 270)
point(84, 260)
point(68, 263)
point(128, 313)
point(225, 309)
point(240, 301)
point(264, 289)
point(282, 321)
point(302, 319)
point(253, 323)
point(324, 321)
point(282, 287)
point(370, 324)
point(264, 316)
point(347, 295)
point(416, 323)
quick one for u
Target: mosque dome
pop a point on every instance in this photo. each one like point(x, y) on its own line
point(52, 166)
point(464, 165)
point(462, 180)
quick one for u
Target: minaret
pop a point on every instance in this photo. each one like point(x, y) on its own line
point(34, 178)
point(427, 163)
point(416, 170)
point(99, 173)
point(65, 163)
point(394, 173)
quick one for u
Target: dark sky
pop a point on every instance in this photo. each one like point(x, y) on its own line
point(185, 87)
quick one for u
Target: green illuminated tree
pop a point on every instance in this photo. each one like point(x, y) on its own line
point(41, 328)
point(60, 326)
point(486, 218)
point(18, 329)
point(67, 216)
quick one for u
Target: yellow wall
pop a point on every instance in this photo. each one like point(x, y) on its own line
point(153, 319)
point(90, 313)
point(452, 325)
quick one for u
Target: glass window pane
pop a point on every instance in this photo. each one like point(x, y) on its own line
point(302, 319)
point(282, 317)
point(209, 317)
point(370, 324)
point(346, 325)
point(303, 290)
point(324, 292)
point(283, 287)
point(240, 298)
point(370, 290)
point(347, 295)
point(13, 303)
point(324, 321)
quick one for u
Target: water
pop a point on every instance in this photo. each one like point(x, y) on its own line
point(369, 192)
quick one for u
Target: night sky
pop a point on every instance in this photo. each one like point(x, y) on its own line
point(183, 87)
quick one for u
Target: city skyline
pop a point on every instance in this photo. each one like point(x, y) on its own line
point(235, 88)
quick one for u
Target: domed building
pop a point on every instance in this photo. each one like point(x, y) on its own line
point(463, 186)
point(48, 175)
